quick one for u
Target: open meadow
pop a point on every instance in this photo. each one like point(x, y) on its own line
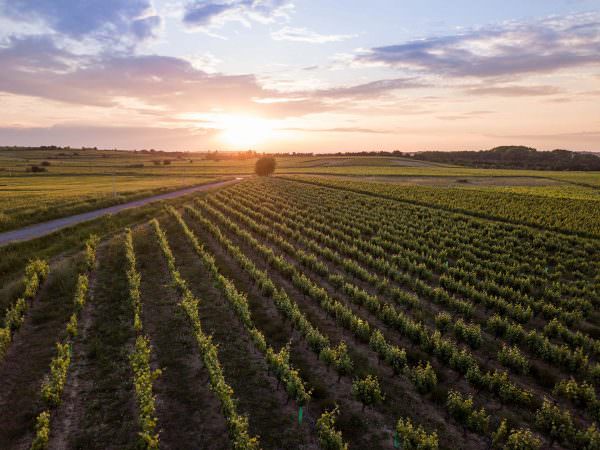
point(371, 302)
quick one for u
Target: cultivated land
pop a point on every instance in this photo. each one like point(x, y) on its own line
point(440, 306)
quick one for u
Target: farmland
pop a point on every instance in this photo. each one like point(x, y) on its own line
point(312, 311)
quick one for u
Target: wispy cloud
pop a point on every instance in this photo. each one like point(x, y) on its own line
point(505, 50)
point(165, 138)
point(35, 66)
point(339, 130)
point(371, 89)
point(294, 34)
point(207, 14)
point(514, 91)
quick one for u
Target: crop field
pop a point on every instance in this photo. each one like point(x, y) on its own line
point(81, 180)
point(303, 312)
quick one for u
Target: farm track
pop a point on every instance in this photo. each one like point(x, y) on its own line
point(42, 229)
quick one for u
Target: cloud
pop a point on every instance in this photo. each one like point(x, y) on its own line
point(126, 137)
point(575, 136)
point(35, 66)
point(293, 34)
point(205, 14)
point(370, 90)
point(514, 91)
point(339, 130)
point(506, 50)
point(106, 20)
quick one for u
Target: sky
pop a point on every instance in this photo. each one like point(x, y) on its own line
point(300, 75)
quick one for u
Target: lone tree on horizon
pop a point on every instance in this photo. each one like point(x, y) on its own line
point(265, 166)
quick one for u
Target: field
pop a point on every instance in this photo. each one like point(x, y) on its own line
point(80, 180)
point(306, 311)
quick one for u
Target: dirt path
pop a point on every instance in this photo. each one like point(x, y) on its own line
point(42, 229)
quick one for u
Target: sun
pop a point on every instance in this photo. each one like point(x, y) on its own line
point(244, 132)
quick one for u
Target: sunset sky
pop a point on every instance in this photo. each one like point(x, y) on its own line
point(304, 75)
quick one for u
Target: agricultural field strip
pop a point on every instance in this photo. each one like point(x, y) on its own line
point(140, 356)
point(489, 381)
point(303, 228)
point(461, 329)
point(356, 245)
point(389, 231)
point(316, 341)
point(36, 273)
point(54, 383)
point(392, 355)
point(34, 200)
point(397, 242)
point(489, 233)
point(237, 424)
point(569, 216)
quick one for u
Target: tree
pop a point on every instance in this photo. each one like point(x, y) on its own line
point(265, 166)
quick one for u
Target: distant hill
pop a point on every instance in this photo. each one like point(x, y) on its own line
point(517, 157)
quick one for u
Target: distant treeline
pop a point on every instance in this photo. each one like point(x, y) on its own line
point(510, 157)
point(516, 157)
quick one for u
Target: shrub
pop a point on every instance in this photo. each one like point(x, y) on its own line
point(42, 431)
point(415, 438)
point(461, 408)
point(367, 391)
point(424, 378)
point(329, 437)
point(557, 423)
point(513, 358)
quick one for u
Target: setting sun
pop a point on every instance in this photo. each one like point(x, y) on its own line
point(245, 132)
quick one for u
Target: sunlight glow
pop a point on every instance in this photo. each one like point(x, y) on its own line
point(244, 132)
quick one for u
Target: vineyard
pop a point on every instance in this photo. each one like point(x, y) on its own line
point(298, 313)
